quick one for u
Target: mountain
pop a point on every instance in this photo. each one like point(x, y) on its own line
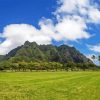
point(31, 51)
point(1, 57)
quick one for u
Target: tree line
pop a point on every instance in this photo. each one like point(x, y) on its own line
point(46, 66)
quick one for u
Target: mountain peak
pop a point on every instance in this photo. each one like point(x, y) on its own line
point(31, 51)
point(26, 43)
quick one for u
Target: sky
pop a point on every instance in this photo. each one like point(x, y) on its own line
point(71, 22)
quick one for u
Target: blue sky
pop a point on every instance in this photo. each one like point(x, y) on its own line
point(50, 21)
point(24, 11)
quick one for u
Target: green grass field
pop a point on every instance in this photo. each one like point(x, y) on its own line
point(50, 86)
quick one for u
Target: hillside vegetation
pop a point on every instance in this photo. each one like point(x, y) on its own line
point(32, 56)
point(31, 51)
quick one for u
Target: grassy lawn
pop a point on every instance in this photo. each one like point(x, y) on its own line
point(50, 86)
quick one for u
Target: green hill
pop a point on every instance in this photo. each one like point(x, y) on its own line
point(31, 51)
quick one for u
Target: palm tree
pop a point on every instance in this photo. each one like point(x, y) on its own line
point(99, 58)
point(93, 58)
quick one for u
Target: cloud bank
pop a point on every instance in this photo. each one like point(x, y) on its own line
point(72, 17)
point(95, 48)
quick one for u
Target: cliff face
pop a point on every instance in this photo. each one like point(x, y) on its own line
point(34, 52)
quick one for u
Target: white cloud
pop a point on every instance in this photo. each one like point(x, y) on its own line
point(48, 28)
point(72, 29)
point(95, 48)
point(86, 9)
point(94, 15)
point(71, 17)
point(79, 7)
point(72, 6)
point(17, 34)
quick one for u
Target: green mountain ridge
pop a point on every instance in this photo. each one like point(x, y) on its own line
point(31, 51)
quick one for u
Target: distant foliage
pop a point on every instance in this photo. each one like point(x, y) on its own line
point(46, 66)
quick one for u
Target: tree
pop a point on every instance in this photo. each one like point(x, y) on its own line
point(66, 68)
point(23, 65)
point(31, 66)
point(99, 58)
point(93, 57)
point(1, 66)
point(71, 66)
point(15, 66)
